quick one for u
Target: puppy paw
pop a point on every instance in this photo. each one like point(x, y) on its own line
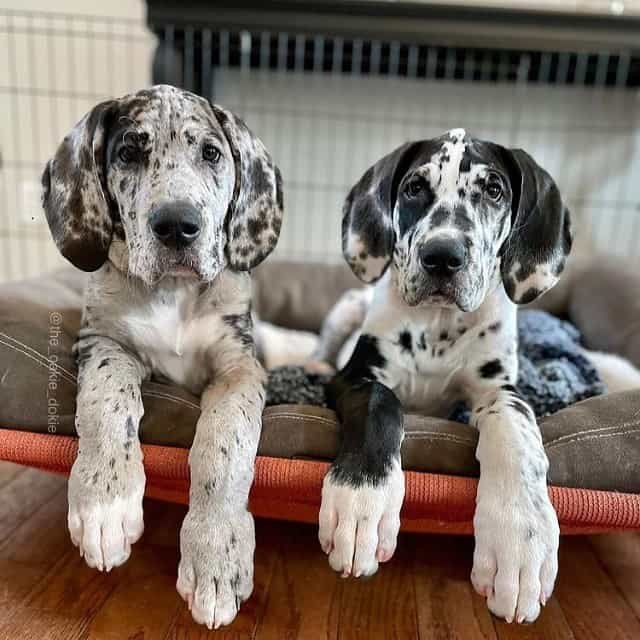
point(359, 525)
point(515, 561)
point(216, 566)
point(105, 507)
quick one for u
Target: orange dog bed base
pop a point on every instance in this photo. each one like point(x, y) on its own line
point(287, 489)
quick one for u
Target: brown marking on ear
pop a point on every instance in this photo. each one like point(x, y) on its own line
point(74, 197)
point(368, 239)
point(254, 218)
point(536, 250)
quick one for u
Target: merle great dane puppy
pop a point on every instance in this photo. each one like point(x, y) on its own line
point(455, 231)
point(169, 201)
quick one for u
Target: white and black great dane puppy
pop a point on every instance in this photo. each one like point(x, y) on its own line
point(169, 201)
point(456, 232)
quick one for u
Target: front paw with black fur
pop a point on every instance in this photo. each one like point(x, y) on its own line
point(359, 524)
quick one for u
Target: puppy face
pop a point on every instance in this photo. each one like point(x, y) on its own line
point(163, 183)
point(453, 216)
point(170, 175)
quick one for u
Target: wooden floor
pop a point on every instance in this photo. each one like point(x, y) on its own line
point(47, 592)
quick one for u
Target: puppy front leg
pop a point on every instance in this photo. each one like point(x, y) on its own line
point(217, 539)
point(363, 491)
point(107, 480)
point(516, 528)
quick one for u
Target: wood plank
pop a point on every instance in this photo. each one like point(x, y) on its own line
point(41, 538)
point(144, 602)
point(70, 585)
point(592, 605)
point(16, 582)
point(23, 495)
point(34, 546)
point(26, 623)
point(304, 595)
point(8, 471)
point(383, 606)
point(73, 587)
point(619, 554)
point(447, 605)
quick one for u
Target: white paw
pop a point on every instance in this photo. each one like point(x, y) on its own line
point(105, 508)
point(216, 565)
point(515, 561)
point(359, 525)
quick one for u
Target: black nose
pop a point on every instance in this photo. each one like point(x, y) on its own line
point(442, 257)
point(175, 224)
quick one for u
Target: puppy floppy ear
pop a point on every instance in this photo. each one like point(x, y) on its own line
point(254, 218)
point(368, 238)
point(536, 250)
point(74, 193)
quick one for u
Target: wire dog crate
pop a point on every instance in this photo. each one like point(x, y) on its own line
point(328, 100)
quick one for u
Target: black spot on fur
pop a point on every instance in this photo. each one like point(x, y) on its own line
point(260, 179)
point(495, 327)
point(406, 341)
point(372, 416)
point(438, 217)
point(491, 369)
point(529, 296)
point(130, 427)
point(242, 326)
point(465, 162)
point(103, 363)
point(461, 219)
point(521, 407)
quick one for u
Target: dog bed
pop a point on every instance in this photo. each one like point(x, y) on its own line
point(593, 446)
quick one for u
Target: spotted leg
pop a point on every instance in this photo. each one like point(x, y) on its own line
point(363, 491)
point(516, 528)
point(217, 539)
point(107, 480)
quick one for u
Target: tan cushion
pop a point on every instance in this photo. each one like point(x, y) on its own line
point(593, 444)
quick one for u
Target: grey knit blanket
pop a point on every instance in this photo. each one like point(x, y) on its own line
point(553, 372)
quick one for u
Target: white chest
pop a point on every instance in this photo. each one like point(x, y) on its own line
point(171, 340)
point(422, 370)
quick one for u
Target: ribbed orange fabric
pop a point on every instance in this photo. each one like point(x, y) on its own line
point(286, 489)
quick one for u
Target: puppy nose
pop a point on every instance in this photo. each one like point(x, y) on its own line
point(175, 224)
point(442, 257)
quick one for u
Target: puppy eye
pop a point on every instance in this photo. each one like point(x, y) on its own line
point(494, 191)
point(210, 153)
point(127, 155)
point(415, 187)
